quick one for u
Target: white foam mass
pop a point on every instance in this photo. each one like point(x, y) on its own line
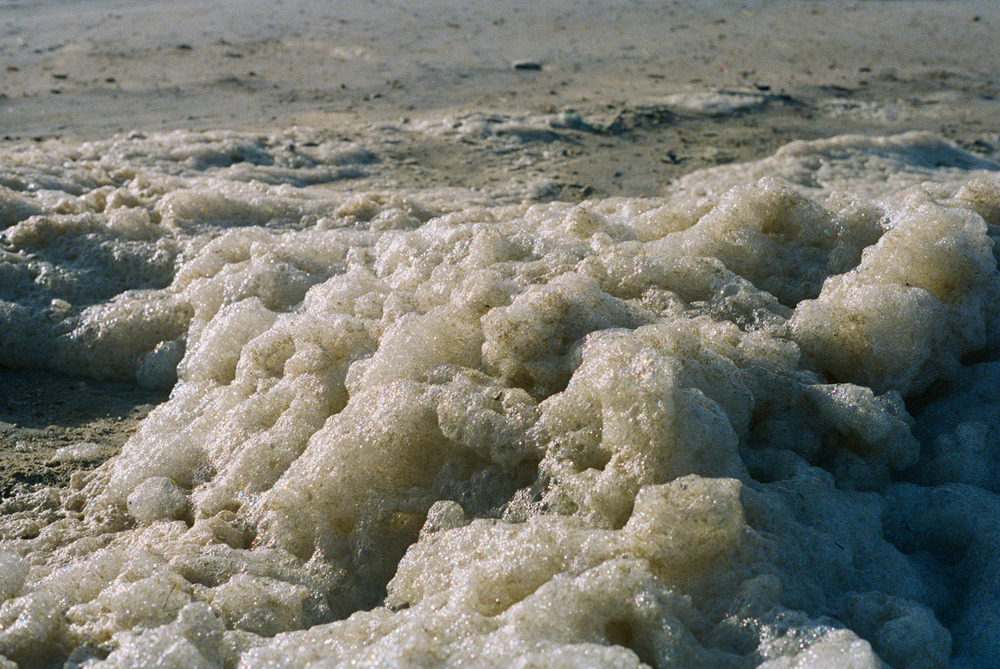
point(751, 424)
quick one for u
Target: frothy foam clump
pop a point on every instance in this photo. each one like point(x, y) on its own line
point(745, 429)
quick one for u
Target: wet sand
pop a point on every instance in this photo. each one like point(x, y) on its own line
point(85, 69)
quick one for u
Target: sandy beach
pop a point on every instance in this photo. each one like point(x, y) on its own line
point(490, 104)
point(85, 70)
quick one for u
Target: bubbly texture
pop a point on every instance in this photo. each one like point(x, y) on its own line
point(753, 423)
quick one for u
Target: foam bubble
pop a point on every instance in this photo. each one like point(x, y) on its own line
point(84, 451)
point(748, 424)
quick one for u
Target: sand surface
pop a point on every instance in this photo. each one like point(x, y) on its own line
point(556, 100)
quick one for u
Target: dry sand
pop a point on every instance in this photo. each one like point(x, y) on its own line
point(633, 95)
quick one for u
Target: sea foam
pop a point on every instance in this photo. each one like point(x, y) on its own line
point(749, 424)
